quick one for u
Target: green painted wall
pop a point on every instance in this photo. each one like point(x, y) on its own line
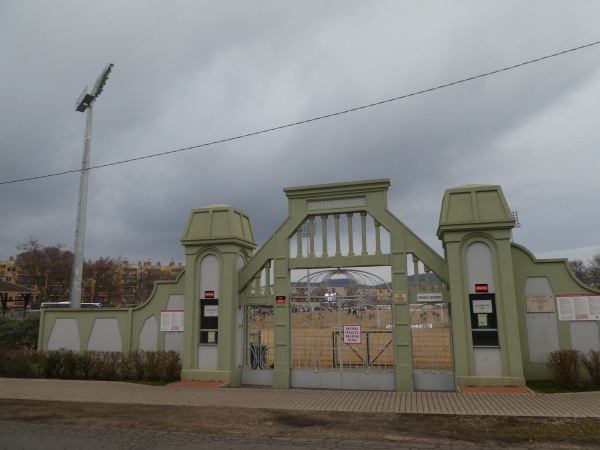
point(130, 320)
point(562, 281)
point(469, 214)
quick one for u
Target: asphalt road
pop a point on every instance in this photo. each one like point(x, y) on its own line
point(59, 414)
point(27, 436)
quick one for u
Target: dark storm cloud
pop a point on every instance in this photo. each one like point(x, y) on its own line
point(190, 73)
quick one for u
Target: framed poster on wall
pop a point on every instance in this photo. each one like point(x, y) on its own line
point(209, 321)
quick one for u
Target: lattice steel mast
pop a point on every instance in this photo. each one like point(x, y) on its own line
point(84, 103)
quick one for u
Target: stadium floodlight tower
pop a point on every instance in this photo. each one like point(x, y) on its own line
point(84, 103)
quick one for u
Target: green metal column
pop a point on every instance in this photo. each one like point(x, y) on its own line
point(480, 214)
point(225, 232)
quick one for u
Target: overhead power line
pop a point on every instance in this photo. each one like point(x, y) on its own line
point(314, 119)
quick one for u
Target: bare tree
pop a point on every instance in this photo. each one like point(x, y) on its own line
point(587, 273)
point(45, 269)
point(579, 270)
point(103, 281)
point(593, 271)
point(148, 276)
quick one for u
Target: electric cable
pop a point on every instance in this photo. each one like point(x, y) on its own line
point(302, 122)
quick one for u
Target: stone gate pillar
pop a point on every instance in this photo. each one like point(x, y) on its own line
point(475, 228)
point(218, 240)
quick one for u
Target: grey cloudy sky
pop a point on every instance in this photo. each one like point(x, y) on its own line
point(192, 72)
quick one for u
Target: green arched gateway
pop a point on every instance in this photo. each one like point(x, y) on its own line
point(232, 313)
point(324, 207)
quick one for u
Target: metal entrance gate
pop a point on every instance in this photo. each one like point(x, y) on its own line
point(346, 343)
point(258, 346)
point(342, 337)
point(432, 347)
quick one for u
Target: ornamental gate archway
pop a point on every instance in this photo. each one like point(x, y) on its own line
point(346, 225)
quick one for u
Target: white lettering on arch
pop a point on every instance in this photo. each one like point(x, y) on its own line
point(339, 203)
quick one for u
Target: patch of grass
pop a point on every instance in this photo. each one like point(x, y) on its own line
point(549, 387)
point(521, 430)
point(150, 382)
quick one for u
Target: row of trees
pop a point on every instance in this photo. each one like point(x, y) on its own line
point(110, 281)
point(46, 269)
point(588, 273)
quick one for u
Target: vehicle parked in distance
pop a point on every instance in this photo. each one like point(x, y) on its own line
point(68, 305)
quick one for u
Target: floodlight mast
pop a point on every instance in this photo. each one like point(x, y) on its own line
point(83, 104)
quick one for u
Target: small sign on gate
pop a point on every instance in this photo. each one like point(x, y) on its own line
point(434, 297)
point(352, 334)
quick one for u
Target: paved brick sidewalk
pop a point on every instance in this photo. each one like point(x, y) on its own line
point(585, 404)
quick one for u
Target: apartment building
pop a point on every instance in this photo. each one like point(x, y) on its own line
point(126, 284)
point(8, 273)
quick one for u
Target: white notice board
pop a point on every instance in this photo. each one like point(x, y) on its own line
point(578, 307)
point(171, 320)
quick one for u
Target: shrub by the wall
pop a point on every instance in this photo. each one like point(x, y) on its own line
point(591, 361)
point(137, 364)
point(86, 362)
point(152, 366)
point(17, 363)
point(109, 364)
point(19, 332)
point(51, 364)
point(90, 365)
point(566, 367)
point(171, 365)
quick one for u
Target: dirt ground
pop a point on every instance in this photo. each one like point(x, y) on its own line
point(413, 428)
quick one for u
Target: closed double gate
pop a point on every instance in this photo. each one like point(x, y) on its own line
point(343, 343)
point(432, 347)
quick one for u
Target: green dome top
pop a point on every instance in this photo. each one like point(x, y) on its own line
point(218, 223)
point(474, 206)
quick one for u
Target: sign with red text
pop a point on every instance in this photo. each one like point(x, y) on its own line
point(352, 334)
point(481, 288)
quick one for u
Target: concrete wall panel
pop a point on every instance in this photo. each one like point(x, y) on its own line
point(584, 336)
point(106, 336)
point(149, 335)
point(542, 329)
point(64, 334)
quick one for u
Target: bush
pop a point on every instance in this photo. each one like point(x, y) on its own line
point(17, 363)
point(152, 366)
point(39, 363)
point(108, 364)
point(137, 364)
point(171, 365)
point(86, 364)
point(90, 365)
point(53, 363)
point(69, 365)
point(566, 367)
point(591, 361)
point(17, 332)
